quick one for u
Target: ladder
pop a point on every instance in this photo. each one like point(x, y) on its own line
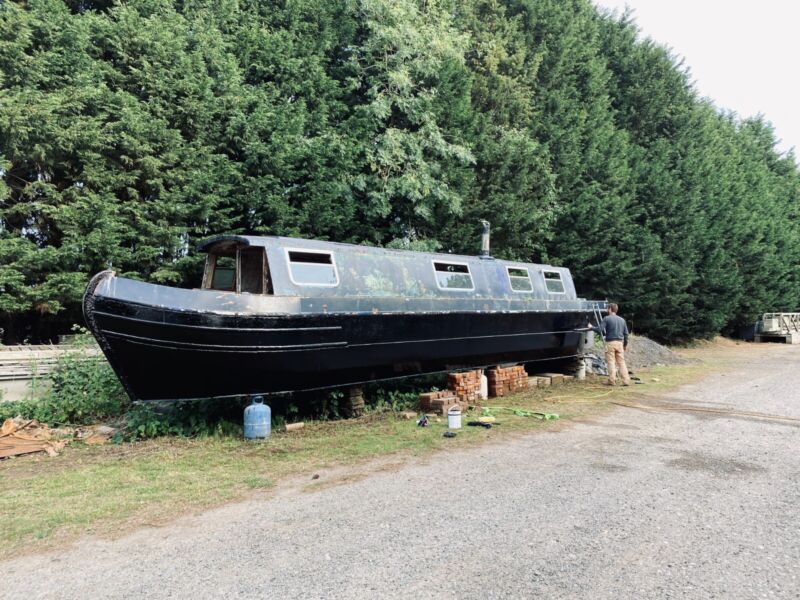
point(598, 317)
point(598, 363)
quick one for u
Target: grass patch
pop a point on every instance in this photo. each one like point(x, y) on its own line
point(111, 489)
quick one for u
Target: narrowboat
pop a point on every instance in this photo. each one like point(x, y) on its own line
point(279, 314)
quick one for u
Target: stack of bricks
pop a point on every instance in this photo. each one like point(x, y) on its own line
point(437, 402)
point(503, 381)
point(466, 386)
point(354, 403)
point(546, 379)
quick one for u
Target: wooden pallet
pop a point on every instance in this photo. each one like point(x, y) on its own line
point(26, 362)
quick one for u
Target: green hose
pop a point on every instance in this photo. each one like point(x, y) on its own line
point(520, 412)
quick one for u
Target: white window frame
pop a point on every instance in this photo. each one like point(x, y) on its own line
point(289, 262)
point(509, 275)
point(560, 278)
point(452, 262)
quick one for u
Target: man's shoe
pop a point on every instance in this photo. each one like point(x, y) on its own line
point(608, 383)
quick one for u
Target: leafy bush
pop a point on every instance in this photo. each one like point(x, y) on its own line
point(194, 418)
point(394, 400)
point(331, 408)
point(85, 390)
point(381, 396)
point(401, 394)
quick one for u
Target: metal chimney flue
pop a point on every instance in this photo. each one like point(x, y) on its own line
point(485, 251)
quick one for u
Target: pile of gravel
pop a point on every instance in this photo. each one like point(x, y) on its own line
point(644, 352)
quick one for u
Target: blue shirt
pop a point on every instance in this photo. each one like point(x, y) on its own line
point(614, 329)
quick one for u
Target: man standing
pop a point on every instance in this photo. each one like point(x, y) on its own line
point(615, 332)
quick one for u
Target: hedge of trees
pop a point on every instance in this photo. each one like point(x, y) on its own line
point(130, 130)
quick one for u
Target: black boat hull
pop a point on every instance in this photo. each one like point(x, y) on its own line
point(163, 354)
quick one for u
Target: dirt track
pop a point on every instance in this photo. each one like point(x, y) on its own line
point(636, 504)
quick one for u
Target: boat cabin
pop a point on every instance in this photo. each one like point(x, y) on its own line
point(232, 266)
point(283, 266)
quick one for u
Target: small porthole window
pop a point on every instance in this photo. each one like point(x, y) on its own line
point(553, 282)
point(312, 268)
point(520, 279)
point(453, 276)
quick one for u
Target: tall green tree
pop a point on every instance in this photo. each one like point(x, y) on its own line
point(597, 234)
point(409, 54)
point(128, 131)
point(514, 186)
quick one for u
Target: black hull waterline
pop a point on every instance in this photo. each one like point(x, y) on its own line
point(164, 354)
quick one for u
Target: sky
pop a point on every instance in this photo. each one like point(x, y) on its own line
point(741, 53)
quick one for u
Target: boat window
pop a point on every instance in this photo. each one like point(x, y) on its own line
point(453, 276)
point(251, 270)
point(224, 277)
point(520, 279)
point(553, 282)
point(312, 268)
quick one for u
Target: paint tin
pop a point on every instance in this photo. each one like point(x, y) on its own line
point(454, 418)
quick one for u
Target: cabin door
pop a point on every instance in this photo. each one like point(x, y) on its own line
point(252, 270)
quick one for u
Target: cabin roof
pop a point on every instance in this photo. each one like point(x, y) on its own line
point(300, 243)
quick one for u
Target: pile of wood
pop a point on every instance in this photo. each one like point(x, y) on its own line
point(438, 402)
point(21, 436)
point(503, 381)
point(25, 436)
point(466, 386)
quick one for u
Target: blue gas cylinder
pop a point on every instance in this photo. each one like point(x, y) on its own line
point(257, 420)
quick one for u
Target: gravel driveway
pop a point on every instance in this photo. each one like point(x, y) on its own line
point(635, 504)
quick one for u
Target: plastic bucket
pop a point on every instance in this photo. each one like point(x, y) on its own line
point(454, 417)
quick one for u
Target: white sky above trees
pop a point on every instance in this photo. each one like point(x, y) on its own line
point(743, 54)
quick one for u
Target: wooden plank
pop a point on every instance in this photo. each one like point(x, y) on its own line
point(14, 446)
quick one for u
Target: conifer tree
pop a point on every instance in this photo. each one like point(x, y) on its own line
point(513, 182)
point(129, 131)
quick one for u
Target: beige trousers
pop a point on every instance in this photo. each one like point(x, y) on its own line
point(615, 359)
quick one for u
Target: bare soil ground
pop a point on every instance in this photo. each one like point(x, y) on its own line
point(692, 494)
